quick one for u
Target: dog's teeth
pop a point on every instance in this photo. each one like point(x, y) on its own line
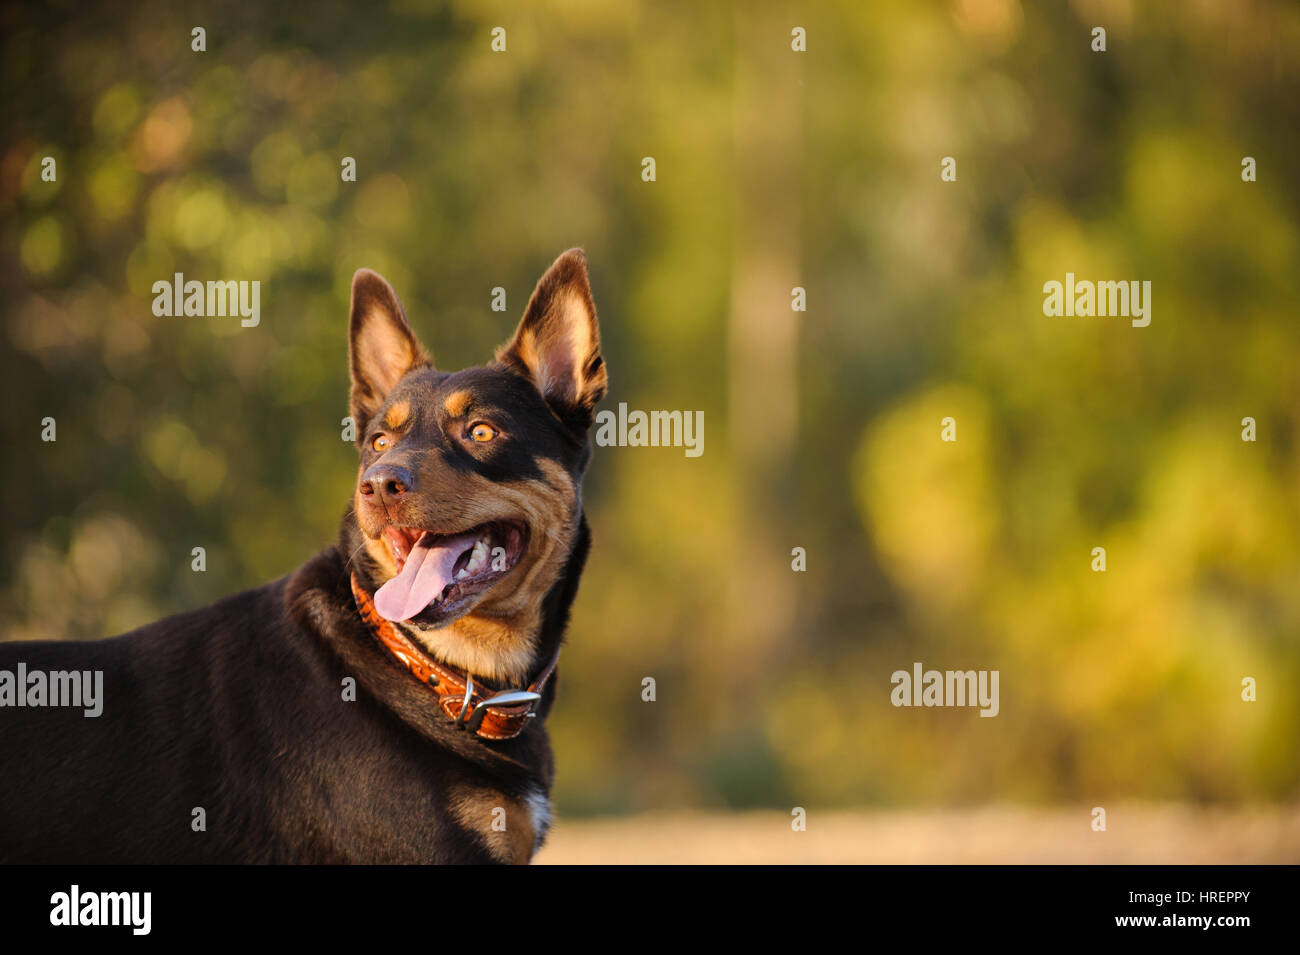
point(463, 573)
point(477, 558)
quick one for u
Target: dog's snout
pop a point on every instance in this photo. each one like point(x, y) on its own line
point(387, 483)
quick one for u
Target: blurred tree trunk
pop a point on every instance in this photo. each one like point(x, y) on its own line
point(763, 398)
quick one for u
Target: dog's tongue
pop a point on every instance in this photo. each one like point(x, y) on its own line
point(427, 570)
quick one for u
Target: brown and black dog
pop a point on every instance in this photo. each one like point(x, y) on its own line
point(385, 702)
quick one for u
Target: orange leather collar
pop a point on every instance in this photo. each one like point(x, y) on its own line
point(470, 704)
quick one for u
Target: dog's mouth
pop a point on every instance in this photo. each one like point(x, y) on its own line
point(440, 576)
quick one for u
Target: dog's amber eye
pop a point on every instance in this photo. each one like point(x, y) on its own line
point(482, 432)
point(380, 443)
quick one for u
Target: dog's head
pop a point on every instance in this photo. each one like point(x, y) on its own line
point(468, 499)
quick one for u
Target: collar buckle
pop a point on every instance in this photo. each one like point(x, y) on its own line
point(504, 698)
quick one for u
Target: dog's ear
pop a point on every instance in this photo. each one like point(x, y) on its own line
point(557, 344)
point(381, 347)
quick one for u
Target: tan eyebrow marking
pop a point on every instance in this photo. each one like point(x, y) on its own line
point(396, 416)
point(457, 402)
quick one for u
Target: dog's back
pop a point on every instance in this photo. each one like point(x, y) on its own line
point(231, 740)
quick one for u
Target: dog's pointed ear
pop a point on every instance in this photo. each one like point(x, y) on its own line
point(557, 344)
point(381, 346)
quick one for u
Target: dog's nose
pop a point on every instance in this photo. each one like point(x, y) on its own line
point(387, 483)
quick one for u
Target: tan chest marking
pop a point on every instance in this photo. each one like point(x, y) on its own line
point(510, 828)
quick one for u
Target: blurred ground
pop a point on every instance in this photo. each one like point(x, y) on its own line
point(1150, 834)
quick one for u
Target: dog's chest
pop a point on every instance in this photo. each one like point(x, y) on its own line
point(512, 828)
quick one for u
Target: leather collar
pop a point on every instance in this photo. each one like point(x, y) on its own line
point(470, 704)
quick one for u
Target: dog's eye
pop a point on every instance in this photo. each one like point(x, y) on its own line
point(482, 432)
point(380, 443)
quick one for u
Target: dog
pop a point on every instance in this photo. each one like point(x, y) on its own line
point(386, 702)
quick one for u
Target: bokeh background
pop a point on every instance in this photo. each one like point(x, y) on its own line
point(775, 169)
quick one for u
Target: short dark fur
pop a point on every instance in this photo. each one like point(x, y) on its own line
point(237, 708)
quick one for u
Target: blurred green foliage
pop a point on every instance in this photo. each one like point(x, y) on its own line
point(475, 168)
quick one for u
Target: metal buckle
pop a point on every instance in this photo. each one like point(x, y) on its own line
point(469, 691)
point(504, 698)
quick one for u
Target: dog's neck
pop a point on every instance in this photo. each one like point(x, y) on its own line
point(485, 712)
point(497, 650)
